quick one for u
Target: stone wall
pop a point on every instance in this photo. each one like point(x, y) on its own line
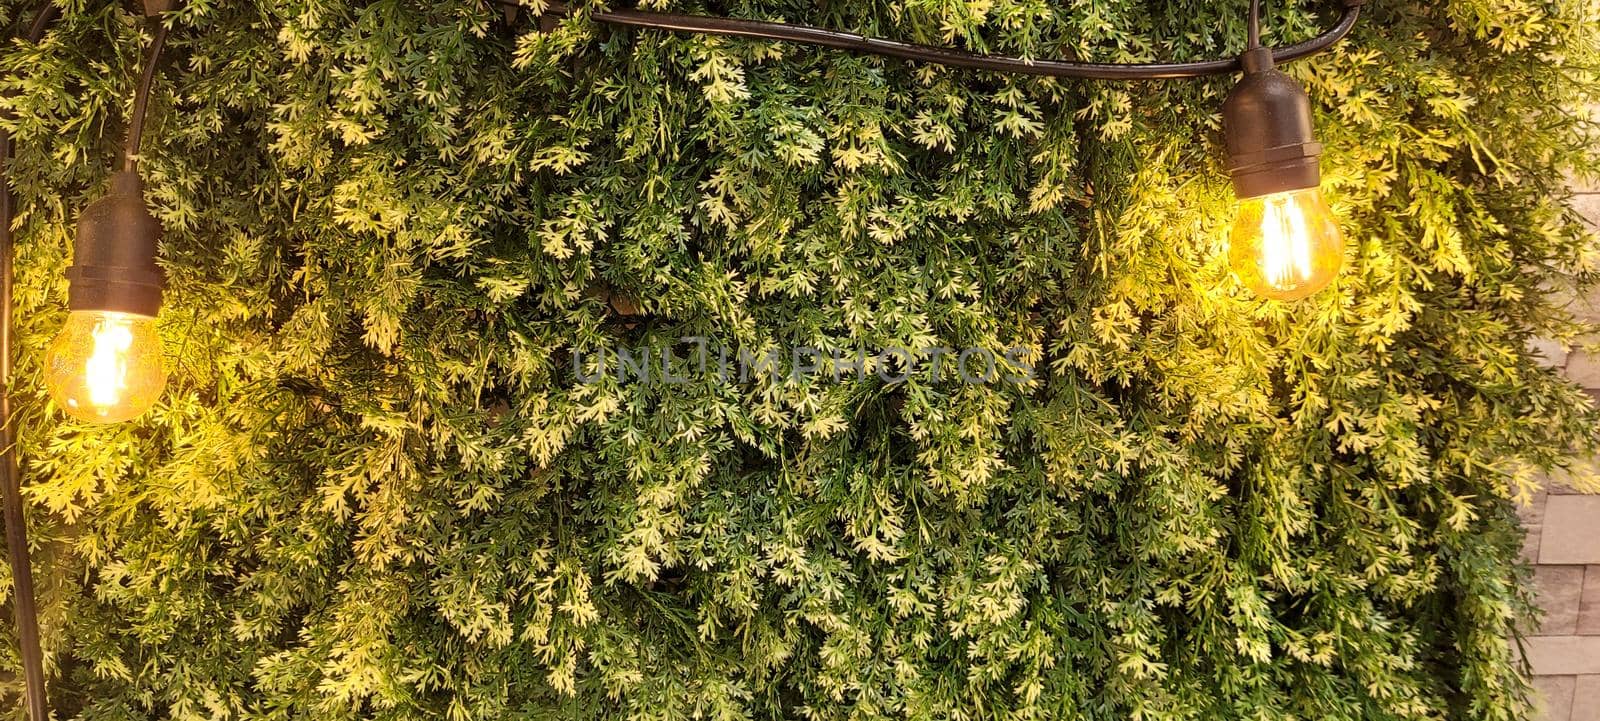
point(1564, 549)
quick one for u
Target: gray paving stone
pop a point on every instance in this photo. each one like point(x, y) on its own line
point(1588, 206)
point(1583, 368)
point(1552, 354)
point(1560, 590)
point(1563, 655)
point(1553, 697)
point(1586, 699)
point(1589, 606)
point(1571, 530)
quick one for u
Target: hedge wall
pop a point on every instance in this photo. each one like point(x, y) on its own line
point(377, 489)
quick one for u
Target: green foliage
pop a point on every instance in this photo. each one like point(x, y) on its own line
point(374, 488)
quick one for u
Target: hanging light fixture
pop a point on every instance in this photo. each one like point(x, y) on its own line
point(105, 366)
point(1285, 243)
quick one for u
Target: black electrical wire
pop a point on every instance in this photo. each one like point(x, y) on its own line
point(1253, 29)
point(23, 602)
point(141, 97)
point(822, 37)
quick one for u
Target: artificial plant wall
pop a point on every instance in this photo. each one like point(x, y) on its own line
point(376, 488)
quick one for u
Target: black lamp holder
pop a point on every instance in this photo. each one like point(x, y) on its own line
point(1266, 126)
point(114, 260)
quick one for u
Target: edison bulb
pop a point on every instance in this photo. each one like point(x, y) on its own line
point(105, 367)
point(1286, 246)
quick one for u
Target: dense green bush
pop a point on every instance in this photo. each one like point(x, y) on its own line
point(375, 488)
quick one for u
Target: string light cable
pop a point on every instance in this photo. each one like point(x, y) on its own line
point(951, 57)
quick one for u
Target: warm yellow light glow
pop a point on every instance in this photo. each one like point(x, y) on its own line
point(1286, 246)
point(105, 367)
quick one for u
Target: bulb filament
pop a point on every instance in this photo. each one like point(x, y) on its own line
point(1286, 260)
point(106, 371)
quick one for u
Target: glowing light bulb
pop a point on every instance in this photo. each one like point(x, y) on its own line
point(1286, 246)
point(105, 366)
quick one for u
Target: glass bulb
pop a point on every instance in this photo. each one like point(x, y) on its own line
point(1286, 246)
point(105, 367)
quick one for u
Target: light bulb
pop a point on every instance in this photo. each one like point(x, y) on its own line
point(105, 366)
point(1286, 246)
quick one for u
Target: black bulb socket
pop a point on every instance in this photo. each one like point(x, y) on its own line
point(114, 263)
point(1266, 125)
